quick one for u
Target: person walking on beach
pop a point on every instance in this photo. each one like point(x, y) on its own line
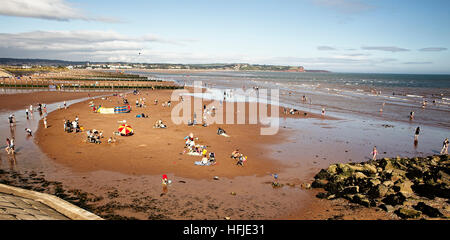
point(45, 122)
point(65, 105)
point(374, 153)
point(416, 135)
point(11, 120)
point(445, 147)
point(323, 112)
point(26, 112)
point(11, 147)
point(8, 144)
point(411, 115)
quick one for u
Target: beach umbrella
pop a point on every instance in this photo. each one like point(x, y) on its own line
point(125, 130)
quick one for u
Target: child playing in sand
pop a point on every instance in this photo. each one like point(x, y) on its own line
point(374, 153)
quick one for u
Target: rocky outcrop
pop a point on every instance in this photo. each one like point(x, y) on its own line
point(409, 187)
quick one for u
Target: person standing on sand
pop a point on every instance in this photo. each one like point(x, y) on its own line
point(12, 146)
point(323, 112)
point(26, 112)
point(8, 144)
point(374, 153)
point(11, 120)
point(411, 115)
point(45, 122)
point(445, 147)
point(29, 132)
point(65, 105)
point(416, 135)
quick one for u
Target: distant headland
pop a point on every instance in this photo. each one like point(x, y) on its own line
point(30, 63)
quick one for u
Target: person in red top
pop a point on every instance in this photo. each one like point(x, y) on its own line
point(164, 179)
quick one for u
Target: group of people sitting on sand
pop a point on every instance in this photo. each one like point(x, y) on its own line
point(199, 150)
point(142, 115)
point(165, 104)
point(94, 136)
point(70, 126)
point(140, 102)
point(241, 159)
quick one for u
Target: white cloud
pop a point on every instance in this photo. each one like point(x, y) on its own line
point(80, 45)
point(433, 49)
point(58, 10)
point(385, 48)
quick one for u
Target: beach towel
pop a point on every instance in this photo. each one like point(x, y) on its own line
point(103, 110)
point(200, 163)
point(194, 154)
point(224, 134)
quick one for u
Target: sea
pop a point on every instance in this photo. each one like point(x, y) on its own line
point(390, 97)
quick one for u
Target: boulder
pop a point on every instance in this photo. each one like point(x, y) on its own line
point(387, 207)
point(388, 183)
point(378, 191)
point(319, 183)
point(350, 190)
point(404, 188)
point(407, 213)
point(332, 169)
point(394, 199)
point(359, 175)
point(322, 195)
point(386, 164)
point(370, 169)
point(355, 168)
point(428, 210)
point(362, 200)
point(323, 174)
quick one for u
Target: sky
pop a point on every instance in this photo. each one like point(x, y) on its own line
point(376, 36)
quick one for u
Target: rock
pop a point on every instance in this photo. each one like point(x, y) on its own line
point(332, 169)
point(350, 190)
point(386, 164)
point(378, 191)
point(370, 168)
point(407, 213)
point(428, 210)
point(404, 188)
point(387, 208)
point(394, 199)
point(323, 174)
point(359, 175)
point(322, 195)
point(319, 183)
point(361, 199)
point(388, 183)
point(332, 196)
point(374, 182)
point(355, 168)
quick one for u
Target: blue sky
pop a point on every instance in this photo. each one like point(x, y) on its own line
point(339, 35)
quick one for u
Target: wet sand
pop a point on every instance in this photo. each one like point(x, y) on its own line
point(18, 101)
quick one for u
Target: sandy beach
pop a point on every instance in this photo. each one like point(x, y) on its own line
point(157, 151)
